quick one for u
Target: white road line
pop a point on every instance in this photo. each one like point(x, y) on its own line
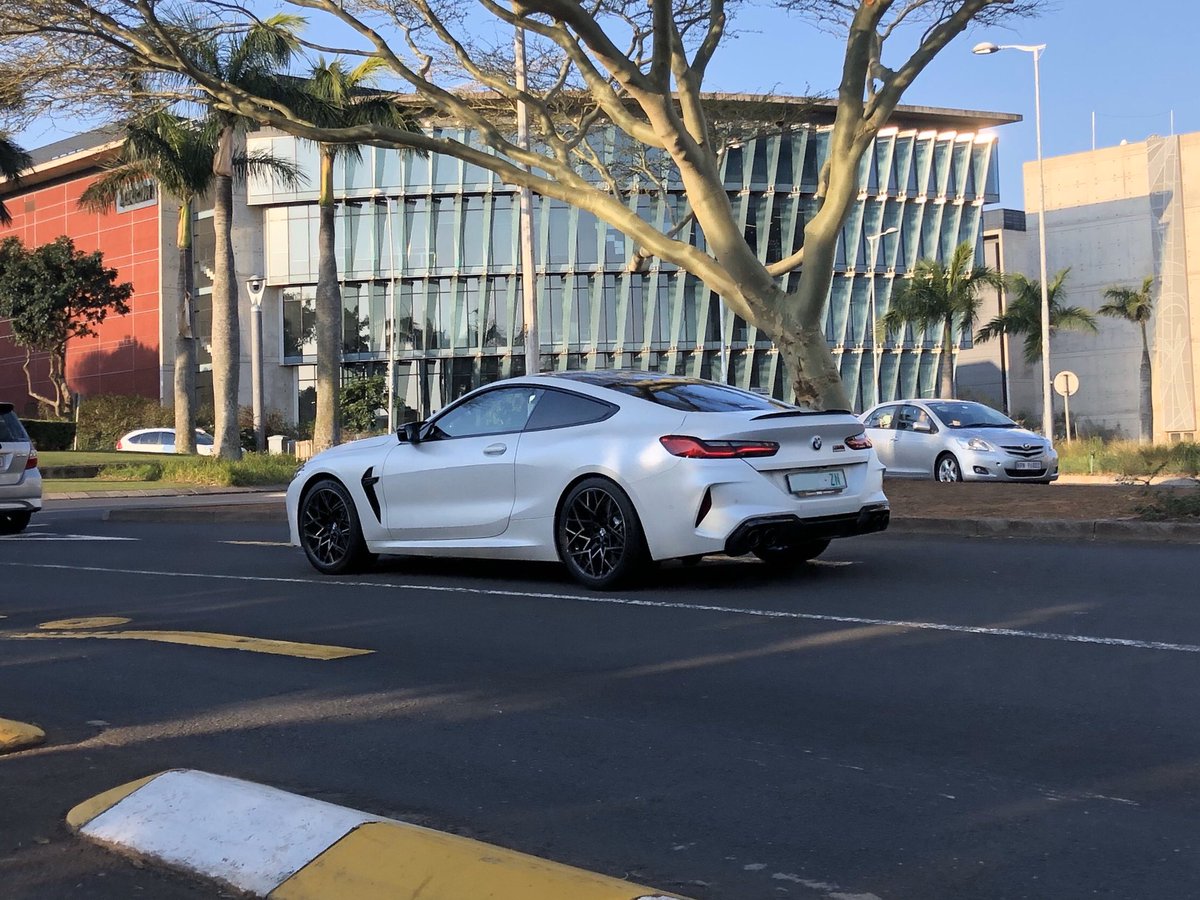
point(49, 536)
point(257, 543)
point(653, 604)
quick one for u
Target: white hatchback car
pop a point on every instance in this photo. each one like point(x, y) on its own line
point(602, 470)
point(162, 440)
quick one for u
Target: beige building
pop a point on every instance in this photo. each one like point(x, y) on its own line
point(1114, 217)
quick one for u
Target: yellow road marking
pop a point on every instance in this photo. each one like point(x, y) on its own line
point(206, 639)
point(92, 622)
point(19, 735)
point(387, 860)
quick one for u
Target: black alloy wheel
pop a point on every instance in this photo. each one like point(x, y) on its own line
point(599, 536)
point(14, 522)
point(791, 555)
point(329, 530)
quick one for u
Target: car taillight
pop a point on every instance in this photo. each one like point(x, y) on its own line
point(859, 441)
point(31, 463)
point(694, 448)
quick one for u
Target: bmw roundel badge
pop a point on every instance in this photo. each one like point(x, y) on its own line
point(816, 442)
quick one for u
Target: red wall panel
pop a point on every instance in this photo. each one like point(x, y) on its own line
point(124, 356)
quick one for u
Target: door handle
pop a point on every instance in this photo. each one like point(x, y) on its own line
point(494, 449)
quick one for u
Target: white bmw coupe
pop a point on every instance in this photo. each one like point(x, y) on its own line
point(601, 470)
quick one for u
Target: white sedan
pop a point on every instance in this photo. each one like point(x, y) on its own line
point(603, 471)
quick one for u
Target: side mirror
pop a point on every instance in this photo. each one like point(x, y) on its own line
point(410, 432)
point(922, 427)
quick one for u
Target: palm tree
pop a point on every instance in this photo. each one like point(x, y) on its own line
point(178, 155)
point(945, 297)
point(1023, 314)
point(1137, 306)
point(336, 98)
point(250, 61)
point(13, 161)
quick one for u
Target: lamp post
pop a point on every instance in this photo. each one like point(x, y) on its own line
point(876, 350)
point(255, 286)
point(985, 49)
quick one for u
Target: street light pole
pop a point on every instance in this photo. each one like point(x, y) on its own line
point(1036, 50)
point(876, 350)
point(255, 286)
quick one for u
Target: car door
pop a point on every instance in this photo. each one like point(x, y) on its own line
point(917, 441)
point(458, 481)
point(880, 426)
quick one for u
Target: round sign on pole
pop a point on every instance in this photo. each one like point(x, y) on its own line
point(1066, 383)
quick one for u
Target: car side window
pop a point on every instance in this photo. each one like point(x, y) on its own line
point(913, 418)
point(560, 409)
point(501, 411)
point(882, 418)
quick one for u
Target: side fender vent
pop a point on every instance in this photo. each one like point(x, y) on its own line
point(369, 480)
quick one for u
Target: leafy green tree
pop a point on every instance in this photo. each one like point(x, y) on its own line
point(178, 154)
point(360, 399)
point(51, 294)
point(338, 98)
point(248, 61)
point(1023, 314)
point(945, 297)
point(13, 161)
point(1137, 306)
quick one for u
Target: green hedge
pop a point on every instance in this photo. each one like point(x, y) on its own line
point(50, 435)
point(105, 417)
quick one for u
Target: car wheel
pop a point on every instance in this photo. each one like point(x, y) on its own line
point(329, 530)
point(947, 469)
point(791, 554)
point(14, 522)
point(598, 535)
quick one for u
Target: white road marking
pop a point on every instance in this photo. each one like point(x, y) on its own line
point(63, 537)
point(651, 604)
point(257, 543)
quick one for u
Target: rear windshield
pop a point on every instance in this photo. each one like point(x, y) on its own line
point(699, 396)
point(11, 428)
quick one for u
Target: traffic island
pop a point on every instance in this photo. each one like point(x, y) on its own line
point(274, 844)
point(19, 736)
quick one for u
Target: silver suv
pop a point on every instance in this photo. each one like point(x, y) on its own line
point(20, 480)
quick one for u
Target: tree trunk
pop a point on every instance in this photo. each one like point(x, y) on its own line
point(226, 339)
point(327, 428)
point(802, 345)
point(1146, 400)
point(52, 402)
point(185, 343)
point(946, 391)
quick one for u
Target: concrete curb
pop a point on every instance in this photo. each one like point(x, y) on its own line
point(19, 735)
point(270, 843)
point(1056, 529)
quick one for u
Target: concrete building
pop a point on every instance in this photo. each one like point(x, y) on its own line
point(427, 253)
point(1114, 216)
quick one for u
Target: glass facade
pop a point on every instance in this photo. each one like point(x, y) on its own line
point(428, 259)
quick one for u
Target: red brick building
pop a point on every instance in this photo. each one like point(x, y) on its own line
point(124, 358)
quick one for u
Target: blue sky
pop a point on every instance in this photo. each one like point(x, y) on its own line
point(1131, 63)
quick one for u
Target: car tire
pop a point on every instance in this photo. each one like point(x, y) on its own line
point(598, 535)
point(330, 532)
point(947, 469)
point(14, 522)
point(792, 554)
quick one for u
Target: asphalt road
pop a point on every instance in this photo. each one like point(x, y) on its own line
point(908, 718)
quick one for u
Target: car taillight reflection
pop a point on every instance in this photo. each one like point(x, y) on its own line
point(695, 448)
point(31, 463)
point(859, 441)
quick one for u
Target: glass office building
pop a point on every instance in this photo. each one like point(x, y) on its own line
point(428, 256)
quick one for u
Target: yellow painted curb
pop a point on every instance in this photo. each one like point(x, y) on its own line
point(388, 860)
point(101, 803)
point(19, 735)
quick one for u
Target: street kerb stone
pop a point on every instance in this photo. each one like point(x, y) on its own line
point(282, 846)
